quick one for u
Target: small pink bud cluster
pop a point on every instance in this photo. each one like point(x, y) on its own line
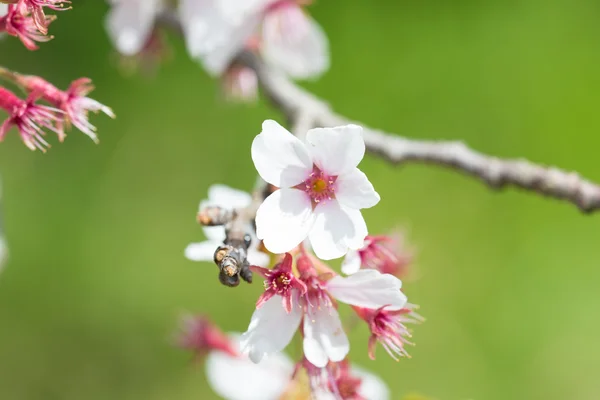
point(27, 20)
point(66, 108)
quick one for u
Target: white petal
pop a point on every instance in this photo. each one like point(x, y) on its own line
point(259, 258)
point(284, 219)
point(324, 337)
point(336, 230)
point(236, 10)
point(351, 263)
point(354, 190)
point(214, 233)
point(211, 36)
point(336, 150)
point(279, 157)
point(227, 197)
point(295, 43)
point(371, 387)
point(130, 23)
point(368, 288)
point(203, 251)
point(3, 9)
point(265, 381)
point(271, 329)
point(3, 252)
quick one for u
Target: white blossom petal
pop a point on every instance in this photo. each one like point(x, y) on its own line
point(271, 329)
point(265, 381)
point(368, 288)
point(354, 190)
point(336, 150)
point(228, 197)
point(3, 253)
point(284, 219)
point(279, 157)
point(324, 337)
point(214, 233)
point(294, 43)
point(130, 23)
point(3, 9)
point(236, 10)
point(203, 251)
point(371, 387)
point(336, 230)
point(352, 262)
point(259, 258)
point(211, 36)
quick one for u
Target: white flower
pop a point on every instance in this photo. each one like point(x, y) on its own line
point(271, 328)
point(3, 253)
point(131, 22)
point(228, 198)
point(321, 189)
point(238, 378)
point(3, 9)
point(270, 379)
point(217, 30)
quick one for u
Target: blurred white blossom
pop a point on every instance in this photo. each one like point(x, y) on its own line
point(217, 30)
point(227, 198)
point(130, 23)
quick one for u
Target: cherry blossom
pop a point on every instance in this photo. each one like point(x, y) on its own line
point(321, 190)
point(29, 118)
point(272, 326)
point(130, 23)
point(383, 253)
point(387, 327)
point(273, 379)
point(217, 30)
point(280, 281)
point(36, 8)
point(228, 198)
point(200, 335)
point(20, 23)
point(73, 102)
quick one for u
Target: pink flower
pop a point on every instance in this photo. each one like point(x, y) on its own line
point(272, 326)
point(280, 281)
point(19, 23)
point(73, 102)
point(387, 327)
point(383, 253)
point(201, 336)
point(29, 118)
point(36, 8)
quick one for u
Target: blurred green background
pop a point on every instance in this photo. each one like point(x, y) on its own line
point(509, 282)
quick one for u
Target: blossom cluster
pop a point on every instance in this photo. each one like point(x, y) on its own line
point(27, 20)
point(216, 31)
point(311, 213)
point(65, 109)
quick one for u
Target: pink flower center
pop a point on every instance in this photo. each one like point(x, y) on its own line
point(280, 282)
point(319, 186)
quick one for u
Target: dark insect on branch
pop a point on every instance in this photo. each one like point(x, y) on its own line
point(232, 256)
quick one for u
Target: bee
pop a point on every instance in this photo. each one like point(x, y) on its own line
point(231, 258)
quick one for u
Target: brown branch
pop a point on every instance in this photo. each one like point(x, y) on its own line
point(306, 110)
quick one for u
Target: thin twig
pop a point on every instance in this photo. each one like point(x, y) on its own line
point(298, 104)
point(304, 110)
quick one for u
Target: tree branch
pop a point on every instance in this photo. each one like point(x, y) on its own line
point(305, 110)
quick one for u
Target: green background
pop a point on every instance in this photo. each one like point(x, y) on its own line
point(509, 282)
